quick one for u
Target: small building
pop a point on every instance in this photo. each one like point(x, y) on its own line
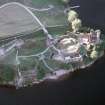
point(92, 37)
point(84, 39)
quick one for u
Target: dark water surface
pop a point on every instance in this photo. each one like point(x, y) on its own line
point(85, 87)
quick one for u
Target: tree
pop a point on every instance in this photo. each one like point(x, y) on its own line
point(65, 1)
point(73, 19)
point(82, 50)
point(72, 15)
point(76, 24)
point(94, 54)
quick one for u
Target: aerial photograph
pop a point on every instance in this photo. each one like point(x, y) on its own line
point(52, 52)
